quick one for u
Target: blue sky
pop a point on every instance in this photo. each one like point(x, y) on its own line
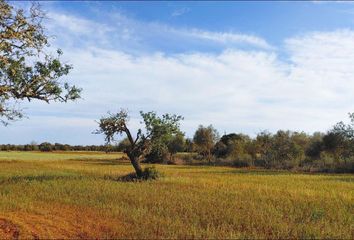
point(241, 66)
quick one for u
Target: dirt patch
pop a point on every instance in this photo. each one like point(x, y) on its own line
point(59, 221)
point(8, 230)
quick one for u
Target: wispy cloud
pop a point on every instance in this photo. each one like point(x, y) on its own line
point(229, 38)
point(180, 11)
point(122, 32)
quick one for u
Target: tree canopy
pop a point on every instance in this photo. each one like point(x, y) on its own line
point(27, 69)
point(205, 139)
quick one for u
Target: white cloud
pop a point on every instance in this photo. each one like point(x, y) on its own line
point(322, 64)
point(75, 31)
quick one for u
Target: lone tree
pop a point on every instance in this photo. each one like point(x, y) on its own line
point(27, 70)
point(156, 128)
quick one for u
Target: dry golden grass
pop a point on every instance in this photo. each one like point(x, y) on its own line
point(72, 195)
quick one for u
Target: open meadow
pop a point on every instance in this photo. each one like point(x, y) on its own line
point(76, 195)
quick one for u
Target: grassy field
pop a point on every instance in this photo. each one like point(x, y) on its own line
point(74, 195)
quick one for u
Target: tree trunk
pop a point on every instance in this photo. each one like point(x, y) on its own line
point(209, 157)
point(137, 167)
point(132, 156)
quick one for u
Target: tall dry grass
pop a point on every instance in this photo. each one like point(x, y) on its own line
point(57, 195)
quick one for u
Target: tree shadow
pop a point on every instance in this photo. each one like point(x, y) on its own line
point(107, 162)
point(130, 177)
point(38, 178)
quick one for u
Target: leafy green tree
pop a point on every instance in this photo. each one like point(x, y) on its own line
point(156, 130)
point(27, 70)
point(340, 140)
point(205, 139)
point(160, 148)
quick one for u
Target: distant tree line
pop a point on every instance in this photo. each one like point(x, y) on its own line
point(48, 147)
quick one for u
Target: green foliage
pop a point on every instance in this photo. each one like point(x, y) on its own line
point(314, 150)
point(283, 152)
point(205, 139)
point(231, 145)
point(331, 152)
point(45, 147)
point(340, 140)
point(151, 173)
point(27, 71)
point(166, 137)
point(164, 151)
point(243, 160)
point(157, 154)
point(332, 141)
point(176, 143)
point(160, 129)
point(59, 147)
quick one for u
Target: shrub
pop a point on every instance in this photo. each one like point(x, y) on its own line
point(151, 173)
point(240, 163)
point(45, 147)
point(186, 157)
point(244, 160)
point(158, 154)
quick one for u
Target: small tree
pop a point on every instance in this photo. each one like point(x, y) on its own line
point(156, 128)
point(205, 139)
point(27, 70)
